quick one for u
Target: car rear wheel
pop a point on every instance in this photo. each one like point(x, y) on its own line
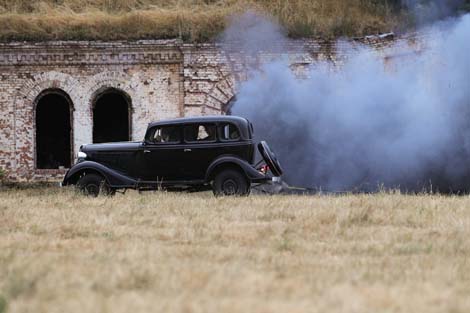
point(93, 184)
point(230, 183)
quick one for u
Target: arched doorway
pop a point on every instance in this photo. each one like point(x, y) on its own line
point(111, 116)
point(53, 130)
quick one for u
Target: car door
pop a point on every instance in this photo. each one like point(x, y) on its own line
point(200, 149)
point(231, 143)
point(161, 155)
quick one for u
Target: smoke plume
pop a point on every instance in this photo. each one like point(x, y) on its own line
point(365, 124)
point(428, 11)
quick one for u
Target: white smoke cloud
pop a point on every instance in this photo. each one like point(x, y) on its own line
point(427, 11)
point(365, 124)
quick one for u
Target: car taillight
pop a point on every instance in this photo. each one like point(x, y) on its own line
point(264, 169)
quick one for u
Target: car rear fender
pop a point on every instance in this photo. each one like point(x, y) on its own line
point(229, 161)
point(113, 178)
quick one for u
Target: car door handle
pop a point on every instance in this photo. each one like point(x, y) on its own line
point(187, 150)
point(146, 151)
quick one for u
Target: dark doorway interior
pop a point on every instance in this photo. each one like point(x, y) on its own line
point(111, 118)
point(53, 131)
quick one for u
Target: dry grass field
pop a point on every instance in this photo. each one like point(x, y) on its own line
point(198, 20)
point(190, 20)
point(170, 252)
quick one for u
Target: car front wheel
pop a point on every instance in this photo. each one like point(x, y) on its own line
point(230, 183)
point(92, 185)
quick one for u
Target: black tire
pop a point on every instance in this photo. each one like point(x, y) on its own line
point(93, 185)
point(230, 182)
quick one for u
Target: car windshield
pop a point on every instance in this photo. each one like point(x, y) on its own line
point(199, 133)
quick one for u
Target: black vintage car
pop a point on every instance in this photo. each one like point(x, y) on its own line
point(203, 153)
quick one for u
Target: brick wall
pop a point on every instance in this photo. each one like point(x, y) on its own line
point(163, 79)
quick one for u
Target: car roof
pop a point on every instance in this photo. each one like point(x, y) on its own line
point(240, 121)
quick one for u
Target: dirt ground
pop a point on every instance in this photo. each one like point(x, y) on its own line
point(174, 252)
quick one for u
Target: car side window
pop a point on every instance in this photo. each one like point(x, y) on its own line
point(166, 134)
point(199, 133)
point(229, 132)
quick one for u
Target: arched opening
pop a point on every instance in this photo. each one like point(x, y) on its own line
point(53, 130)
point(111, 116)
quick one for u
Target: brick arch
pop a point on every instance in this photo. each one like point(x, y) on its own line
point(120, 82)
point(24, 120)
point(229, 105)
point(121, 113)
point(48, 81)
point(220, 95)
point(111, 80)
point(107, 88)
point(55, 90)
point(65, 123)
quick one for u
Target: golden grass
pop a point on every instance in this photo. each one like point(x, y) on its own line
point(171, 252)
point(190, 20)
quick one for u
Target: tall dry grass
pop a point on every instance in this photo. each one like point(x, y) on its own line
point(170, 252)
point(190, 20)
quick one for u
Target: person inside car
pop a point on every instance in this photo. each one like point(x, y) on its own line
point(166, 134)
point(203, 133)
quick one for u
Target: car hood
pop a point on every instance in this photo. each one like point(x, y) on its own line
point(111, 146)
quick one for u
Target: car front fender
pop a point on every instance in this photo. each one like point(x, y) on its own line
point(113, 178)
point(251, 173)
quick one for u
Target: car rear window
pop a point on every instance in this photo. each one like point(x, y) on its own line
point(199, 133)
point(166, 134)
point(229, 132)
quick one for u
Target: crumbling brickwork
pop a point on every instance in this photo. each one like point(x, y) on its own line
point(162, 79)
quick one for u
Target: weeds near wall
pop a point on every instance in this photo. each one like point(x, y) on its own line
point(2, 175)
point(3, 304)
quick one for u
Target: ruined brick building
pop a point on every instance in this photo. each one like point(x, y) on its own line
point(57, 96)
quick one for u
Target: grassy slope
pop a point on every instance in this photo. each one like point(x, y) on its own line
point(191, 20)
point(60, 252)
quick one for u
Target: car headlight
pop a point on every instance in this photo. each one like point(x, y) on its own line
point(81, 156)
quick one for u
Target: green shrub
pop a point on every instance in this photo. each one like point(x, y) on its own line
point(3, 304)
